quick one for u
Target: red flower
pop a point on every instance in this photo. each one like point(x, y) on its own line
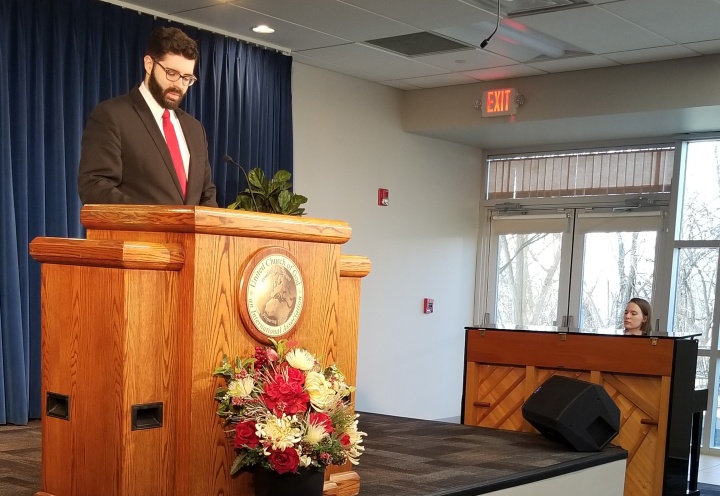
point(284, 396)
point(245, 435)
point(345, 439)
point(284, 461)
point(295, 375)
point(321, 419)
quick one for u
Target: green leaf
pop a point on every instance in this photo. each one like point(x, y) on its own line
point(284, 201)
point(257, 179)
point(274, 206)
point(237, 464)
point(281, 176)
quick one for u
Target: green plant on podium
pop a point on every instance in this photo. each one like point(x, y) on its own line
point(269, 195)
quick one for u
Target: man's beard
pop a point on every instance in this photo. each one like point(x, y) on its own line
point(159, 95)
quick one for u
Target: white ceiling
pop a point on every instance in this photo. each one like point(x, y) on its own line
point(331, 34)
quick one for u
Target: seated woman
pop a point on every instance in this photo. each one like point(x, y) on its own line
point(638, 317)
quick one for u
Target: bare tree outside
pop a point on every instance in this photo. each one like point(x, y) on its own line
point(528, 279)
point(700, 220)
point(617, 266)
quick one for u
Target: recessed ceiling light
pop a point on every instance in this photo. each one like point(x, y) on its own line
point(262, 28)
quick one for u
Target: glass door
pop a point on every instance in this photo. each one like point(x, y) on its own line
point(572, 268)
point(615, 260)
point(527, 264)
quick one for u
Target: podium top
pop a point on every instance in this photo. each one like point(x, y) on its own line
point(209, 220)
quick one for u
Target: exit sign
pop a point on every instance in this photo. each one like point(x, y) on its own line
point(502, 101)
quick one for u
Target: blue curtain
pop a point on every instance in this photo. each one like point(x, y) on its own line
point(58, 59)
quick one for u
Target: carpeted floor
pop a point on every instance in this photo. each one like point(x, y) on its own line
point(20, 459)
point(709, 490)
point(388, 460)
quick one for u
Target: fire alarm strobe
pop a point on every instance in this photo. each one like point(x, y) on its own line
point(383, 197)
point(428, 305)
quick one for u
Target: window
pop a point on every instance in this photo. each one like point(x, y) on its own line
point(586, 173)
point(695, 268)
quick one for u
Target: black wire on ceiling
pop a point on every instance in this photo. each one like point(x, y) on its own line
point(497, 23)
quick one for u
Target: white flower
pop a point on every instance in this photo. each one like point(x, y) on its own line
point(355, 439)
point(280, 433)
point(314, 434)
point(301, 359)
point(305, 461)
point(241, 388)
point(322, 395)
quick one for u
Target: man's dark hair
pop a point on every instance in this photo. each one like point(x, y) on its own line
point(171, 40)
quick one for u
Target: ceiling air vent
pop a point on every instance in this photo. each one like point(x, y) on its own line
point(518, 8)
point(417, 44)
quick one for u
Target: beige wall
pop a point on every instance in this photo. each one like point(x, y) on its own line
point(348, 143)
point(639, 100)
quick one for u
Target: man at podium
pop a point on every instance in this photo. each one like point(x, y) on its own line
point(141, 148)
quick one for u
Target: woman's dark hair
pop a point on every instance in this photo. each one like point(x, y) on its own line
point(646, 309)
point(171, 40)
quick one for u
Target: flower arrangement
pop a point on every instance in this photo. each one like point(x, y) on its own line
point(286, 412)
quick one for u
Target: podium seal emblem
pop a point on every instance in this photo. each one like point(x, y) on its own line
point(272, 293)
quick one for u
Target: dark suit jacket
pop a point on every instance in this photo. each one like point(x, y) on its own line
point(125, 158)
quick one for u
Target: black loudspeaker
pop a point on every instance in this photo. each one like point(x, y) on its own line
point(574, 412)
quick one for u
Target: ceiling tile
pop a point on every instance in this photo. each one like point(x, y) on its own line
point(174, 6)
point(234, 19)
point(347, 70)
point(499, 45)
point(400, 84)
point(426, 14)
point(439, 80)
point(472, 59)
point(594, 29)
point(573, 64)
point(672, 18)
point(368, 59)
point(331, 17)
point(510, 71)
point(705, 47)
point(651, 54)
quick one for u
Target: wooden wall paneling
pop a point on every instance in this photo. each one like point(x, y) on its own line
point(206, 249)
point(531, 383)
point(662, 434)
point(59, 346)
point(342, 480)
point(151, 376)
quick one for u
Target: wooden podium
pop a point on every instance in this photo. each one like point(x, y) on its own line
point(136, 318)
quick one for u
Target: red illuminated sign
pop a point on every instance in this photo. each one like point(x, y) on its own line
point(502, 101)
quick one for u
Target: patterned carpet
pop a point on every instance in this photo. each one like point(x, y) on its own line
point(20, 459)
point(409, 457)
point(402, 457)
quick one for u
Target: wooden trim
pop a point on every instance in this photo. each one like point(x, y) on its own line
point(354, 266)
point(208, 220)
point(106, 253)
point(575, 352)
point(665, 386)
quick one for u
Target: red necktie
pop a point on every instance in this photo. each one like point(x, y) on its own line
point(174, 147)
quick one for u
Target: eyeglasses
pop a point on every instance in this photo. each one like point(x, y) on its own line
point(172, 75)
